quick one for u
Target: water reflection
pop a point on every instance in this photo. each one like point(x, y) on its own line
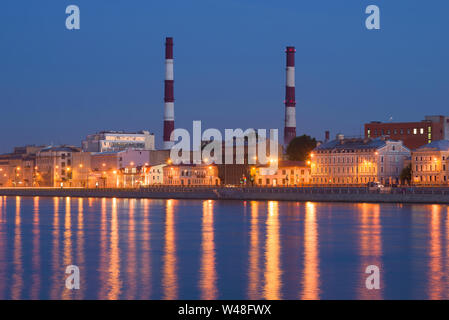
point(146, 247)
point(80, 248)
point(103, 249)
point(169, 277)
point(311, 279)
point(36, 256)
point(208, 272)
point(435, 263)
point(67, 253)
point(272, 288)
point(114, 281)
point(131, 252)
point(254, 292)
point(18, 268)
point(3, 249)
point(116, 243)
point(56, 281)
point(370, 248)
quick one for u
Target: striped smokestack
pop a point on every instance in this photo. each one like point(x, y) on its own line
point(290, 103)
point(169, 99)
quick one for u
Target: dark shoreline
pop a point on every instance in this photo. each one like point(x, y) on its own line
point(315, 194)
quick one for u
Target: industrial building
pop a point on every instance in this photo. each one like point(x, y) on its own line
point(413, 134)
point(169, 98)
point(290, 98)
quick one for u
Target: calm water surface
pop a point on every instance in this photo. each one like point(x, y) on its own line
point(191, 249)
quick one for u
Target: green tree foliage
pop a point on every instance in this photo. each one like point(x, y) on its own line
point(406, 174)
point(300, 147)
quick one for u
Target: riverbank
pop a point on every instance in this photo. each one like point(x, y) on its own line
point(316, 194)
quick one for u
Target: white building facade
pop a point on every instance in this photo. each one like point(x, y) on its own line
point(118, 140)
point(358, 161)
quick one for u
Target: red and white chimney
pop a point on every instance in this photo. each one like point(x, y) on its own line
point(169, 99)
point(290, 102)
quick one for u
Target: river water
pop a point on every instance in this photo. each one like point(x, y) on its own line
point(193, 249)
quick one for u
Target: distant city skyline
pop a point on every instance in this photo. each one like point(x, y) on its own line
point(58, 86)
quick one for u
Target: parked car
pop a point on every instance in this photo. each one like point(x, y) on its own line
point(375, 186)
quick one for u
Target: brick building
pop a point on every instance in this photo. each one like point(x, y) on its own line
point(413, 134)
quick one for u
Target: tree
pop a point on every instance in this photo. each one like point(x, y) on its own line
point(300, 147)
point(406, 174)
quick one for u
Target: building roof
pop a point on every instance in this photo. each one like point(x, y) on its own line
point(355, 143)
point(60, 149)
point(290, 163)
point(285, 164)
point(439, 145)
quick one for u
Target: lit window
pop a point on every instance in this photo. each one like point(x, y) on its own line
point(415, 131)
point(421, 131)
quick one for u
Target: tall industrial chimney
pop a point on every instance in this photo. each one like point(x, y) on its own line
point(290, 103)
point(169, 99)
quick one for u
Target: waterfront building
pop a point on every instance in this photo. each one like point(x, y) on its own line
point(118, 140)
point(158, 157)
point(115, 160)
point(287, 173)
point(17, 169)
point(81, 168)
point(430, 164)
point(154, 175)
point(118, 168)
point(191, 175)
point(238, 170)
point(54, 166)
point(358, 161)
point(413, 134)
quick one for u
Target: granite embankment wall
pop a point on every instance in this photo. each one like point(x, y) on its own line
point(319, 194)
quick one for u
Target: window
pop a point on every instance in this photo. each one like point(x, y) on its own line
point(421, 131)
point(415, 131)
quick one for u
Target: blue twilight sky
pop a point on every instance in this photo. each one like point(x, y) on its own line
point(58, 85)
